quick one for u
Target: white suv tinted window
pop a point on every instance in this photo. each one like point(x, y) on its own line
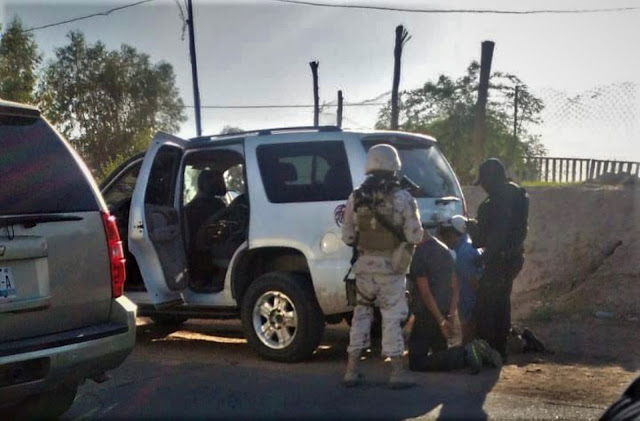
point(38, 173)
point(305, 172)
point(122, 188)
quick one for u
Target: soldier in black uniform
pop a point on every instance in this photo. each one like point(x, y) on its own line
point(501, 230)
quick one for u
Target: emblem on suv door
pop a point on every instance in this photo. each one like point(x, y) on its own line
point(338, 214)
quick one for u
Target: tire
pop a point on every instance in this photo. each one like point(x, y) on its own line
point(168, 321)
point(285, 304)
point(50, 404)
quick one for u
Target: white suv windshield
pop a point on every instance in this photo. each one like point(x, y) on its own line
point(425, 165)
point(428, 169)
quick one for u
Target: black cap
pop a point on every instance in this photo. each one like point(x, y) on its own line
point(491, 170)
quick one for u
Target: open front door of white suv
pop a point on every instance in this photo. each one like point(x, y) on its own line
point(155, 235)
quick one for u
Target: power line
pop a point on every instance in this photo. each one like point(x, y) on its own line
point(468, 11)
point(64, 22)
point(375, 101)
point(379, 8)
point(347, 104)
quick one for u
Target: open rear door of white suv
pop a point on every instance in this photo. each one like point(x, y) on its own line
point(155, 235)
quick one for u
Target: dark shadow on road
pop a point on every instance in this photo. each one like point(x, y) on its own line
point(153, 388)
point(476, 390)
point(211, 370)
point(205, 363)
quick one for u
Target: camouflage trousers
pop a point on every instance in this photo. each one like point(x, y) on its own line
point(388, 292)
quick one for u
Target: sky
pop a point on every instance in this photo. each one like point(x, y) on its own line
point(585, 66)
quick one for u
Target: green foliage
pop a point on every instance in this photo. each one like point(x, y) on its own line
point(234, 178)
point(108, 103)
point(230, 130)
point(109, 166)
point(19, 60)
point(445, 109)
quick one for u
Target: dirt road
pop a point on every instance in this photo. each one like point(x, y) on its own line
point(207, 370)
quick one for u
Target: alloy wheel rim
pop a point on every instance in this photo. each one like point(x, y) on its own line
point(275, 319)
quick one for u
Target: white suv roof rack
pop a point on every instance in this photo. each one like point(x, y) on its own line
point(267, 132)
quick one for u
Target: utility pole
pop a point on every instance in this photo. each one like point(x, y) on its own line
point(402, 36)
point(316, 97)
point(479, 132)
point(194, 68)
point(339, 113)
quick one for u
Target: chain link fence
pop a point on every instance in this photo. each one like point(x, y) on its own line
point(580, 127)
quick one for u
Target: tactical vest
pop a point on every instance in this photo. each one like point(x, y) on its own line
point(372, 235)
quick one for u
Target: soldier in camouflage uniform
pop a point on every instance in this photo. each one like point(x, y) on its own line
point(380, 197)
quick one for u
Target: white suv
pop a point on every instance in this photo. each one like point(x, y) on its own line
point(273, 255)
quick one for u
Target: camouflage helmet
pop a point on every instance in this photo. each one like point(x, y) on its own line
point(382, 158)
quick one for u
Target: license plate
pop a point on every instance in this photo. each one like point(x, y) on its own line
point(7, 285)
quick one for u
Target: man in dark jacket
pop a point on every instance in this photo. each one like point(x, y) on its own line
point(501, 230)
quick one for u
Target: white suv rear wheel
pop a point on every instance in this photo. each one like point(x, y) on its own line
point(275, 320)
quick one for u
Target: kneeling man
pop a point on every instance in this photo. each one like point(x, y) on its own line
point(434, 299)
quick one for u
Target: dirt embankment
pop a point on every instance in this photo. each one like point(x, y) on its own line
point(582, 259)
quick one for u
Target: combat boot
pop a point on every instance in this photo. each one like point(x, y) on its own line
point(352, 376)
point(532, 341)
point(473, 357)
point(400, 378)
point(489, 355)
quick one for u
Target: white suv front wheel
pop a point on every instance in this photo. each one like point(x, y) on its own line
point(281, 317)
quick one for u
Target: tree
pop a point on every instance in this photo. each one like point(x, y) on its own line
point(445, 110)
point(108, 103)
point(230, 130)
point(19, 60)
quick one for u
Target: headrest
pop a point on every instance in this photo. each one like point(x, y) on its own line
point(211, 183)
point(285, 171)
